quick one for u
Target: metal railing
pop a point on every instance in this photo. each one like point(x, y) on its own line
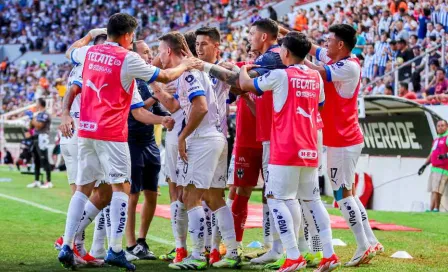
point(425, 57)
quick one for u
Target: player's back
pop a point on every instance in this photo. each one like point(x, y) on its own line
point(197, 83)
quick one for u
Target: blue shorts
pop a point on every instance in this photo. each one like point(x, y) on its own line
point(145, 167)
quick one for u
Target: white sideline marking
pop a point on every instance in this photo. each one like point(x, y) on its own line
point(46, 208)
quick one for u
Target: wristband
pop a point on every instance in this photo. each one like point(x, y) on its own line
point(207, 67)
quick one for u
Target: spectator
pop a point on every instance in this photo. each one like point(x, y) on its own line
point(292, 14)
point(360, 42)
point(423, 20)
point(404, 92)
point(439, 84)
point(381, 54)
point(389, 90)
point(402, 34)
point(301, 22)
point(255, 17)
point(380, 88)
point(404, 55)
point(369, 67)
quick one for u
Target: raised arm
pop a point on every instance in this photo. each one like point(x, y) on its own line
point(85, 40)
point(171, 74)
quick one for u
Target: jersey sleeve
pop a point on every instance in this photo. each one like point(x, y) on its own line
point(78, 76)
point(322, 92)
point(270, 81)
point(43, 117)
point(137, 68)
point(321, 55)
point(268, 61)
point(342, 71)
point(78, 55)
point(193, 85)
point(137, 101)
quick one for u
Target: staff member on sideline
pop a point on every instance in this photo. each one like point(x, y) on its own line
point(438, 158)
point(41, 124)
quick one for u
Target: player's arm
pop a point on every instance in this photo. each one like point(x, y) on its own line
point(67, 122)
point(168, 100)
point(257, 85)
point(318, 68)
point(228, 76)
point(171, 74)
point(149, 102)
point(321, 94)
point(198, 111)
point(427, 162)
point(142, 115)
point(249, 102)
point(84, 40)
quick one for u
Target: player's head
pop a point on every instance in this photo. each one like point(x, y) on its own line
point(190, 37)
point(41, 104)
point(263, 32)
point(442, 126)
point(341, 40)
point(170, 48)
point(251, 54)
point(141, 48)
point(207, 43)
point(295, 47)
point(100, 39)
point(121, 28)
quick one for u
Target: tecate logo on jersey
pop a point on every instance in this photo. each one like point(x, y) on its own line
point(88, 126)
point(304, 84)
point(308, 154)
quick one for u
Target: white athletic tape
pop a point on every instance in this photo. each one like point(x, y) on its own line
point(46, 208)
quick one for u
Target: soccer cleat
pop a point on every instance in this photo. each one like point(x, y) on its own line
point(214, 257)
point(59, 243)
point(379, 248)
point(330, 264)
point(190, 263)
point(254, 254)
point(276, 265)
point(141, 252)
point(168, 257)
point(47, 185)
point(92, 261)
point(149, 254)
point(313, 260)
point(268, 257)
point(35, 184)
point(118, 259)
point(129, 256)
point(359, 257)
point(372, 254)
point(293, 265)
point(99, 254)
point(181, 254)
point(228, 262)
point(78, 259)
point(67, 257)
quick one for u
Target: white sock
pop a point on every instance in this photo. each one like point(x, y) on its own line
point(277, 246)
point(108, 225)
point(196, 218)
point(216, 233)
point(88, 216)
point(227, 229)
point(365, 223)
point(182, 225)
point(322, 226)
point(229, 203)
point(295, 210)
point(302, 243)
point(285, 227)
point(208, 227)
point(74, 215)
point(173, 212)
point(352, 216)
point(118, 218)
point(312, 227)
point(99, 234)
point(267, 234)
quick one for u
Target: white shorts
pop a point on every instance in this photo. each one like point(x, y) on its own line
point(320, 150)
point(341, 165)
point(231, 172)
point(203, 158)
point(70, 154)
point(292, 182)
point(171, 156)
point(220, 178)
point(266, 155)
point(98, 160)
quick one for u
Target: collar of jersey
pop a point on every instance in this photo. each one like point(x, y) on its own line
point(444, 134)
point(112, 43)
point(273, 46)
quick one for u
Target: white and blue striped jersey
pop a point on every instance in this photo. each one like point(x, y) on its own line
point(368, 66)
point(197, 83)
point(381, 56)
point(74, 78)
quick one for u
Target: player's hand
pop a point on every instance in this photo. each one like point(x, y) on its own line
point(168, 122)
point(193, 63)
point(66, 126)
point(170, 88)
point(248, 67)
point(443, 157)
point(182, 146)
point(97, 31)
point(421, 170)
point(227, 65)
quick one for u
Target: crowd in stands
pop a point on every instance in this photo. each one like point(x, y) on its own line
point(390, 33)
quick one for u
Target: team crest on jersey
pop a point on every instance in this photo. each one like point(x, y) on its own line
point(189, 78)
point(339, 64)
point(240, 173)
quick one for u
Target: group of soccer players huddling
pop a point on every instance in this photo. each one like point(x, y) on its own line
point(287, 108)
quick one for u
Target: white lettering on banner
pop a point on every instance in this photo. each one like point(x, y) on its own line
point(103, 58)
point(305, 84)
point(308, 154)
point(88, 126)
point(390, 135)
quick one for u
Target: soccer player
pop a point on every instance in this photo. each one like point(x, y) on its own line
point(342, 134)
point(145, 162)
point(297, 93)
point(107, 94)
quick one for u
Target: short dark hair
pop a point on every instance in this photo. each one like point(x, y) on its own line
point(402, 41)
point(297, 43)
point(211, 32)
point(389, 87)
point(100, 38)
point(268, 26)
point(441, 69)
point(120, 24)
point(346, 33)
point(41, 102)
point(190, 37)
point(174, 39)
point(404, 85)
